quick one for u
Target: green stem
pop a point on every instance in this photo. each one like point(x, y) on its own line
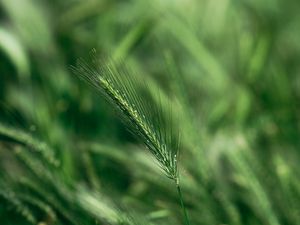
point(186, 218)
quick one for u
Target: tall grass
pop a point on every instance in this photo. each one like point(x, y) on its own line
point(146, 119)
point(210, 88)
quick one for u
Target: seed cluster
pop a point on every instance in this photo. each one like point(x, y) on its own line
point(150, 121)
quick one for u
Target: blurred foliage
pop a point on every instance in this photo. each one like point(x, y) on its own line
point(231, 70)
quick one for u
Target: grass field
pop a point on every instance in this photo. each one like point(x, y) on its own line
point(162, 112)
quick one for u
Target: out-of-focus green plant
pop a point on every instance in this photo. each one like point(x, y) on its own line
point(230, 70)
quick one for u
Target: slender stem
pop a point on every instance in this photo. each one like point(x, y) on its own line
point(186, 218)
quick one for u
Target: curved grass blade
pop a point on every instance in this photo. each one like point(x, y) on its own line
point(20, 137)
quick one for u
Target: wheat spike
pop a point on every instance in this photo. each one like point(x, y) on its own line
point(144, 117)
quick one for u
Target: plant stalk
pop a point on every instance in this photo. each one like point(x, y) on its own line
point(186, 217)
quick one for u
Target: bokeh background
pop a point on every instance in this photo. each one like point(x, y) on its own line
point(231, 69)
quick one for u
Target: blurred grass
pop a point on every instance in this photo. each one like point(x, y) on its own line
point(231, 70)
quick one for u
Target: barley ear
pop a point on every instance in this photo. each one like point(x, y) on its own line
point(149, 120)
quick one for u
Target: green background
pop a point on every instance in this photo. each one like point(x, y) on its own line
point(231, 70)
